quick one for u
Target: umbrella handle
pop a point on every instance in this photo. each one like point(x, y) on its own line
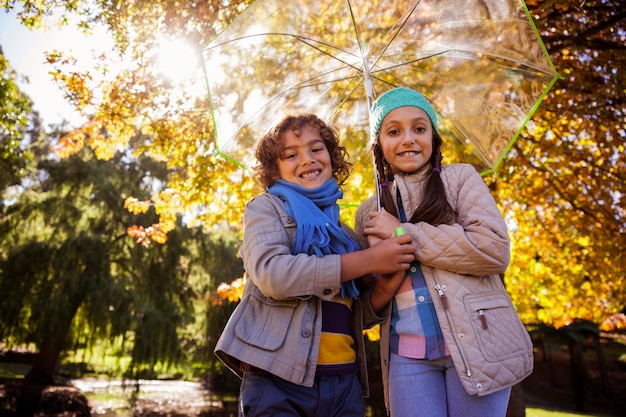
point(376, 184)
point(369, 93)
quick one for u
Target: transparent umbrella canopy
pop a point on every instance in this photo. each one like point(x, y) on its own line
point(482, 65)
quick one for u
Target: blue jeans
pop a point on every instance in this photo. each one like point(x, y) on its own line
point(423, 388)
point(330, 396)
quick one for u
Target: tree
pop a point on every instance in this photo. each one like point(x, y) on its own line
point(17, 124)
point(173, 116)
point(71, 276)
point(561, 188)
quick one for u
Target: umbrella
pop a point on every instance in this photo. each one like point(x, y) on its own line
point(481, 63)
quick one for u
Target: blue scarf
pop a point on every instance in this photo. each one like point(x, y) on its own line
point(318, 231)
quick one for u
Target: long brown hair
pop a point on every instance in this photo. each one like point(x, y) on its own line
point(434, 208)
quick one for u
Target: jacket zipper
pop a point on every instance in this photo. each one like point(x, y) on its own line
point(444, 302)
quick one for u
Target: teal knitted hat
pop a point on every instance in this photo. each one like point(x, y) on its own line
point(398, 97)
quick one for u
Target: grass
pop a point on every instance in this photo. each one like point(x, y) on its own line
point(540, 412)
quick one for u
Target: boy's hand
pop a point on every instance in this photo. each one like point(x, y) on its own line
point(387, 256)
point(388, 284)
point(391, 255)
point(385, 287)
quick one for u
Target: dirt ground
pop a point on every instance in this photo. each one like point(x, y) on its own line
point(551, 386)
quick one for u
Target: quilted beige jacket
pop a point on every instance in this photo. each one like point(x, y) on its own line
point(489, 345)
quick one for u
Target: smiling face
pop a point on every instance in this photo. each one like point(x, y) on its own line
point(406, 139)
point(305, 160)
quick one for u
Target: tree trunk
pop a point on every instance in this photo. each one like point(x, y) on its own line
point(42, 372)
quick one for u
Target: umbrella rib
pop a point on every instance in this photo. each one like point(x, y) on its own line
point(282, 92)
point(413, 60)
point(483, 53)
point(356, 29)
point(305, 40)
point(388, 44)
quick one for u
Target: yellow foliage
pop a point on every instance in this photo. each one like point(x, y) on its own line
point(70, 144)
point(615, 322)
point(559, 269)
point(157, 233)
point(135, 206)
point(139, 234)
point(233, 291)
point(373, 334)
point(144, 236)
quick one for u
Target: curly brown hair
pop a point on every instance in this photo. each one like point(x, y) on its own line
point(270, 147)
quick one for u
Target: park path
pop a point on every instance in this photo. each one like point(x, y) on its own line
point(116, 398)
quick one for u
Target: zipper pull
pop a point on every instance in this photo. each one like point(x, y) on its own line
point(442, 296)
point(483, 319)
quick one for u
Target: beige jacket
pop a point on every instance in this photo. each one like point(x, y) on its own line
point(278, 323)
point(462, 263)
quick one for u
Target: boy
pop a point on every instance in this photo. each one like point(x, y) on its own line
point(296, 337)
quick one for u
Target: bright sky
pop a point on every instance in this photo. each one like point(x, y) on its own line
point(25, 50)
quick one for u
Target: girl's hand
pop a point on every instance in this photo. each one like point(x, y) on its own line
point(381, 224)
point(372, 240)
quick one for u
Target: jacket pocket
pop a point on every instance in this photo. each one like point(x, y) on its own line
point(264, 322)
point(499, 331)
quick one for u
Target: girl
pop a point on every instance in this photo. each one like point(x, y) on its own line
point(453, 344)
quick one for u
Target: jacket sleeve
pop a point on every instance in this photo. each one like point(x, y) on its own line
point(370, 318)
point(361, 217)
point(478, 242)
point(266, 253)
